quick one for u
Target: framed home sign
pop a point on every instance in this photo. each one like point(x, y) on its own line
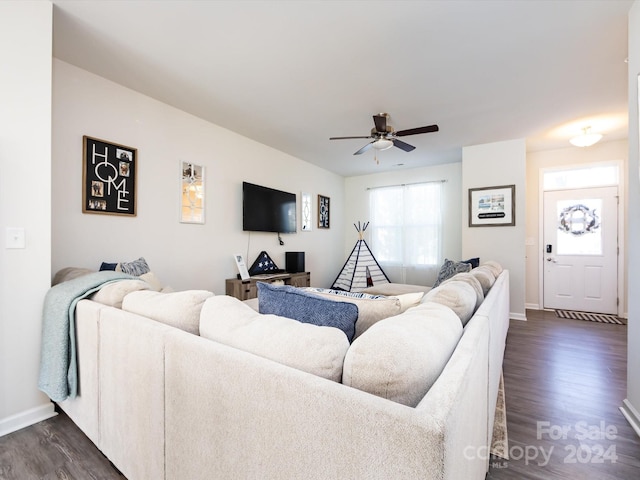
point(323, 212)
point(108, 177)
point(492, 206)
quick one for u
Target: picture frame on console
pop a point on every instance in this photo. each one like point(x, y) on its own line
point(323, 211)
point(492, 206)
point(109, 173)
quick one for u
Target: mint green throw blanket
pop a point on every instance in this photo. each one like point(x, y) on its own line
point(58, 366)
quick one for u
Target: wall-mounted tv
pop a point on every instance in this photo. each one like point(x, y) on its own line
point(267, 210)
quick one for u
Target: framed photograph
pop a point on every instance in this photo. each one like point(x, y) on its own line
point(242, 267)
point(323, 212)
point(108, 177)
point(492, 206)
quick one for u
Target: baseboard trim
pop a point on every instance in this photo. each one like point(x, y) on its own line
point(518, 316)
point(26, 418)
point(631, 414)
point(532, 306)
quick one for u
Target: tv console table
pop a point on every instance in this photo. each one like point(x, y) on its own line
point(246, 289)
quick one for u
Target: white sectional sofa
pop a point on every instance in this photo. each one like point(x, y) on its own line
point(162, 402)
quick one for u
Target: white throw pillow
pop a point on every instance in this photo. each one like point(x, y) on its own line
point(371, 308)
point(401, 357)
point(178, 309)
point(494, 266)
point(311, 348)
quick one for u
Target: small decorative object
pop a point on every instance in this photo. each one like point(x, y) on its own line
point(263, 265)
point(242, 267)
point(578, 220)
point(191, 193)
point(323, 211)
point(305, 212)
point(108, 177)
point(492, 206)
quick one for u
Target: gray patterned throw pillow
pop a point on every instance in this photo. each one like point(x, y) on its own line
point(449, 269)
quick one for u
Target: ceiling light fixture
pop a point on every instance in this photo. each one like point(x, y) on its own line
point(586, 139)
point(382, 144)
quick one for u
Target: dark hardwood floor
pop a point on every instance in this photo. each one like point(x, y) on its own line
point(564, 382)
point(53, 449)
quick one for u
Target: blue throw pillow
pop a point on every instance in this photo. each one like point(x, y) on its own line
point(108, 266)
point(291, 302)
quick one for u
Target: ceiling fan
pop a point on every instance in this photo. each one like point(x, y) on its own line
point(384, 136)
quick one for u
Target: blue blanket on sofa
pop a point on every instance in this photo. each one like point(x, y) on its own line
point(58, 367)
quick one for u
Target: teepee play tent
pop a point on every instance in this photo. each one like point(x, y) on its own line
point(361, 269)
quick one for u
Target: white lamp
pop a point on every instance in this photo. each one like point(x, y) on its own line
point(382, 144)
point(586, 139)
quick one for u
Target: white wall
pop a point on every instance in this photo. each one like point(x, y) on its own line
point(495, 164)
point(632, 402)
point(614, 151)
point(185, 256)
point(357, 208)
point(25, 192)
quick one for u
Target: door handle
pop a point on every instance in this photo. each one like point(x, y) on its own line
point(551, 259)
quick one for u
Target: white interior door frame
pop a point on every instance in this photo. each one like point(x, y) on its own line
point(622, 290)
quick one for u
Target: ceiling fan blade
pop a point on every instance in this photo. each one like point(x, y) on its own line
point(416, 131)
point(380, 122)
point(365, 148)
point(346, 138)
point(402, 145)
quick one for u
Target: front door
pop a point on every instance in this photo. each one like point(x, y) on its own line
point(581, 250)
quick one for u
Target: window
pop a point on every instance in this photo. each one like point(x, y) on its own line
point(406, 225)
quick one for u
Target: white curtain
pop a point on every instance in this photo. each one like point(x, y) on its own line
point(405, 231)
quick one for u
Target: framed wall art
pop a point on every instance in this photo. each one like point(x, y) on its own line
point(323, 211)
point(108, 177)
point(191, 193)
point(492, 206)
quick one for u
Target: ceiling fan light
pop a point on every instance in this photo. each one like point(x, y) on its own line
point(382, 144)
point(586, 139)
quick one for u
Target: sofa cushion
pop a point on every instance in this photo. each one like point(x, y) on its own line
point(494, 266)
point(485, 276)
point(401, 357)
point(472, 281)
point(371, 308)
point(449, 268)
point(113, 293)
point(395, 289)
point(310, 348)
point(297, 304)
point(458, 296)
point(69, 273)
point(178, 309)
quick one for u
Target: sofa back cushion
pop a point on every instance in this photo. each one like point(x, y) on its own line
point(400, 358)
point(319, 350)
point(472, 281)
point(113, 293)
point(458, 296)
point(485, 276)
point(297, 304)
point(178, 309)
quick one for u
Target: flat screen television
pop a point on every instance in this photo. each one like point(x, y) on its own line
point(267, 210)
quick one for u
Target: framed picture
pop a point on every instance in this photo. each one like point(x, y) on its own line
point(108, 177)
point(492, 206)
point(323, 211)
point(192, 194)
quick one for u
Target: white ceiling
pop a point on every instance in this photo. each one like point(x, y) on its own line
point(291, 74)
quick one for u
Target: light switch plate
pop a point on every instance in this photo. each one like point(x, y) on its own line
point(15, 237)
